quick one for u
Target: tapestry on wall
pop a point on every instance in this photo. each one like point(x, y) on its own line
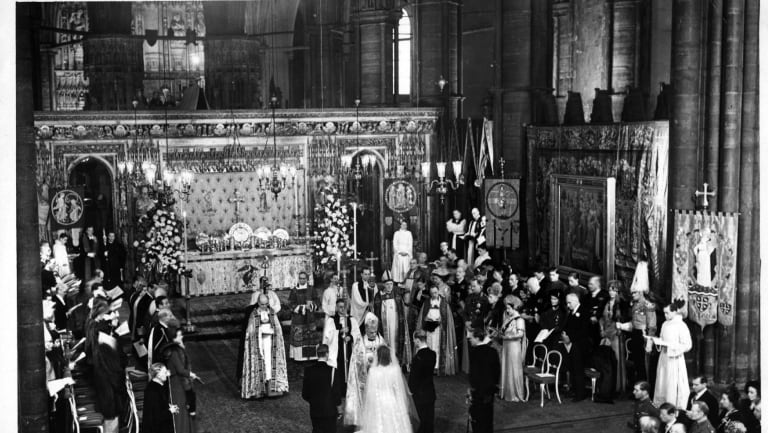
point(635, 154)
point(704, 270)
point(219, 200)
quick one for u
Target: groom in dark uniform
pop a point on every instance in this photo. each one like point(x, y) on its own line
point(420, 382)
point(318, 392)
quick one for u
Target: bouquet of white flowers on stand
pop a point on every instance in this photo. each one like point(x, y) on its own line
point(158, 248)
point(331, 234)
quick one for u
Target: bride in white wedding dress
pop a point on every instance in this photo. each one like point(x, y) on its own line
point(388, 406)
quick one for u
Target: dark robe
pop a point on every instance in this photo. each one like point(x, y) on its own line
point(343, 356)
point(48, 279)
point(156, 417)
point(552, 319)
point(114, 262)
point(108, 376)
point(90, 264)
point(403, 339)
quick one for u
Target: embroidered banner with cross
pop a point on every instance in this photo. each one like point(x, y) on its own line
point(704, 271)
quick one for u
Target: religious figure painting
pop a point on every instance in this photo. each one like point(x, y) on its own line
point(583, 224)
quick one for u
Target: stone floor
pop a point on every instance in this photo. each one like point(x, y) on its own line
point(220, 408)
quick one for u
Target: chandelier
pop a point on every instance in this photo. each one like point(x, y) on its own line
point(442, 184)
point(273, 179)
point(363, 164)
point(138, 163)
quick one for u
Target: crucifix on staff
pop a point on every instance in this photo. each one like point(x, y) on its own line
point(236, 199)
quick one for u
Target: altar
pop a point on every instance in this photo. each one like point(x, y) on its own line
point(216, 273)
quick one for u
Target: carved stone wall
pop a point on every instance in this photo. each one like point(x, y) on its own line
point(113, 67)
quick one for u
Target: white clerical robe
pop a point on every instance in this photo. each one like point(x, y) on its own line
point(389, 320)
point(358, 301)
point(330, 295)
point(61, 258)
point(402, 245)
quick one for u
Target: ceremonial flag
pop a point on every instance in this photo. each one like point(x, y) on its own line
point(470, 145)
point(704, 270)
point(486, 146)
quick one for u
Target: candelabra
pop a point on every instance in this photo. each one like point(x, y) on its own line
point(442, 184)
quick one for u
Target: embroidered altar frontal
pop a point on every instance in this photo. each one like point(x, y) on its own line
point(216, 274)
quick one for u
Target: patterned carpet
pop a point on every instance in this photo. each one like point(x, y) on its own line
point(222, 410)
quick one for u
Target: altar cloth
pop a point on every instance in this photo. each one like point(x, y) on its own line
point(216, 274)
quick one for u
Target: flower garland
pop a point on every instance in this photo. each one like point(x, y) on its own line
point(331, 231)
point(159, 243)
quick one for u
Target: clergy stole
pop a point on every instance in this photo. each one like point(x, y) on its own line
point(704, 271)
point(390, 310)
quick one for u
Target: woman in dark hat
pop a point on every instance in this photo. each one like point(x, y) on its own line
point(175, 356)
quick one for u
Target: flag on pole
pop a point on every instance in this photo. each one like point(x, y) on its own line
point(486, 147)
point(469, 146)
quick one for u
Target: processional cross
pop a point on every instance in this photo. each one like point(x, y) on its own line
point(371, 260)
point(236, 199)
point(706, 194)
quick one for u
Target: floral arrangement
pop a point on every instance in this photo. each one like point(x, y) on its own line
point(331, 233)
point(159, 242)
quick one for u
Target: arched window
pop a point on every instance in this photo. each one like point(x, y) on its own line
point(403, 55)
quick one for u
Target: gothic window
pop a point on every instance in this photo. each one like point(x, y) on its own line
point(403, 55)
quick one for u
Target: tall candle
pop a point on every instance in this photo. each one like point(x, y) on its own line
point(338, 263)
point(354, 234)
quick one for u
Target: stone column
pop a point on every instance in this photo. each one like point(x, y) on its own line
point(376, 58)
point(516, 80)
point(436, 39)
point(32, 393)
point(625, 50)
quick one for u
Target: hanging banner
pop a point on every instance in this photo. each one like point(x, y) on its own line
point(502, 205)
point(67, 209)
point(704, 271)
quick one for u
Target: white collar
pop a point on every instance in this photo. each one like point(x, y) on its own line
point(700, 393)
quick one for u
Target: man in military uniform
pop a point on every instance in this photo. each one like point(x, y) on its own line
point(643, 404)
point(643, 323)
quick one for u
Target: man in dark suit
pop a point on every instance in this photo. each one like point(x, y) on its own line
point(484, 373)
point(59, 308)
point(317, 390)
point(90, 253)
point(576, 335)
point(420, 382)
point(114, 259)
point(700, 392)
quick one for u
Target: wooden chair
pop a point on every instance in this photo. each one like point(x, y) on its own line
point(550, 374)
point(593, 375)
point(539, 353)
